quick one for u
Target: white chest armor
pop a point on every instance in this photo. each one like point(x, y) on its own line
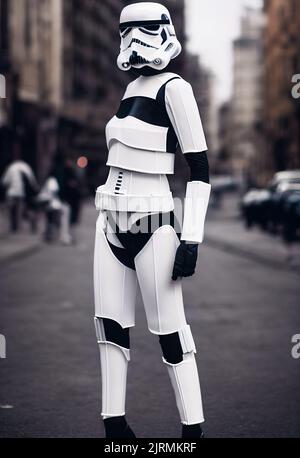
point(141, 136)
point(156, 114)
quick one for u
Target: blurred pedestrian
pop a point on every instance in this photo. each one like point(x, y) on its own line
point(57, 208)
point(69, 188)
point(30, 212)
point(20, 189)
point(51, 204)
point(72, 191)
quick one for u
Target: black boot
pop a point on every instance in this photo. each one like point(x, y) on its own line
point(117, 428)
point(192, 432)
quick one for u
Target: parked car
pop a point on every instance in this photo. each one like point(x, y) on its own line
point(255, 208)
point(289, 176)
point(291, 216)
point(264, 207)
point(278, 198)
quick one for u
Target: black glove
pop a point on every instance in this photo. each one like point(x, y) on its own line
point(185, 261)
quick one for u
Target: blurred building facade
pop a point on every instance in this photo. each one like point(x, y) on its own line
point(246, 109)
point(62, 55)
point(282, 61)
point(225, 133)
point(64, 82)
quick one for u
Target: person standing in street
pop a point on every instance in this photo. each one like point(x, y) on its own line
point(69, 195)
point(17, 180)
point(72, 194)
point(139, 241)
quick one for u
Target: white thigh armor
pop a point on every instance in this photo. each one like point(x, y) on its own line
point(116, 283)
point(162, 297)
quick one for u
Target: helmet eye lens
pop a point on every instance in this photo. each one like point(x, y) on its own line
point(152, 28)
point(124, 31)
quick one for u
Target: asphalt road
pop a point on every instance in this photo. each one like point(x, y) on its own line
point(243, 315)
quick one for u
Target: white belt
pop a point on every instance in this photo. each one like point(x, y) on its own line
point(133, 203)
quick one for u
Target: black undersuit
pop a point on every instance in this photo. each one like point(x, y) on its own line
point(137, 237)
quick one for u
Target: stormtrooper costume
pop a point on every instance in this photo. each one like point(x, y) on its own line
point(139, 242)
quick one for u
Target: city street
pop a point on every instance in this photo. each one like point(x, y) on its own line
point(243, 314)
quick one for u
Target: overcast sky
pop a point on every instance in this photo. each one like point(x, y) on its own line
point(211, 27)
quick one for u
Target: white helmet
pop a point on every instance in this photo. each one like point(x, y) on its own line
point(148, 37)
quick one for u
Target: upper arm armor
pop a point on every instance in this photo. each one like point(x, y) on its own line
point(184, 115)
